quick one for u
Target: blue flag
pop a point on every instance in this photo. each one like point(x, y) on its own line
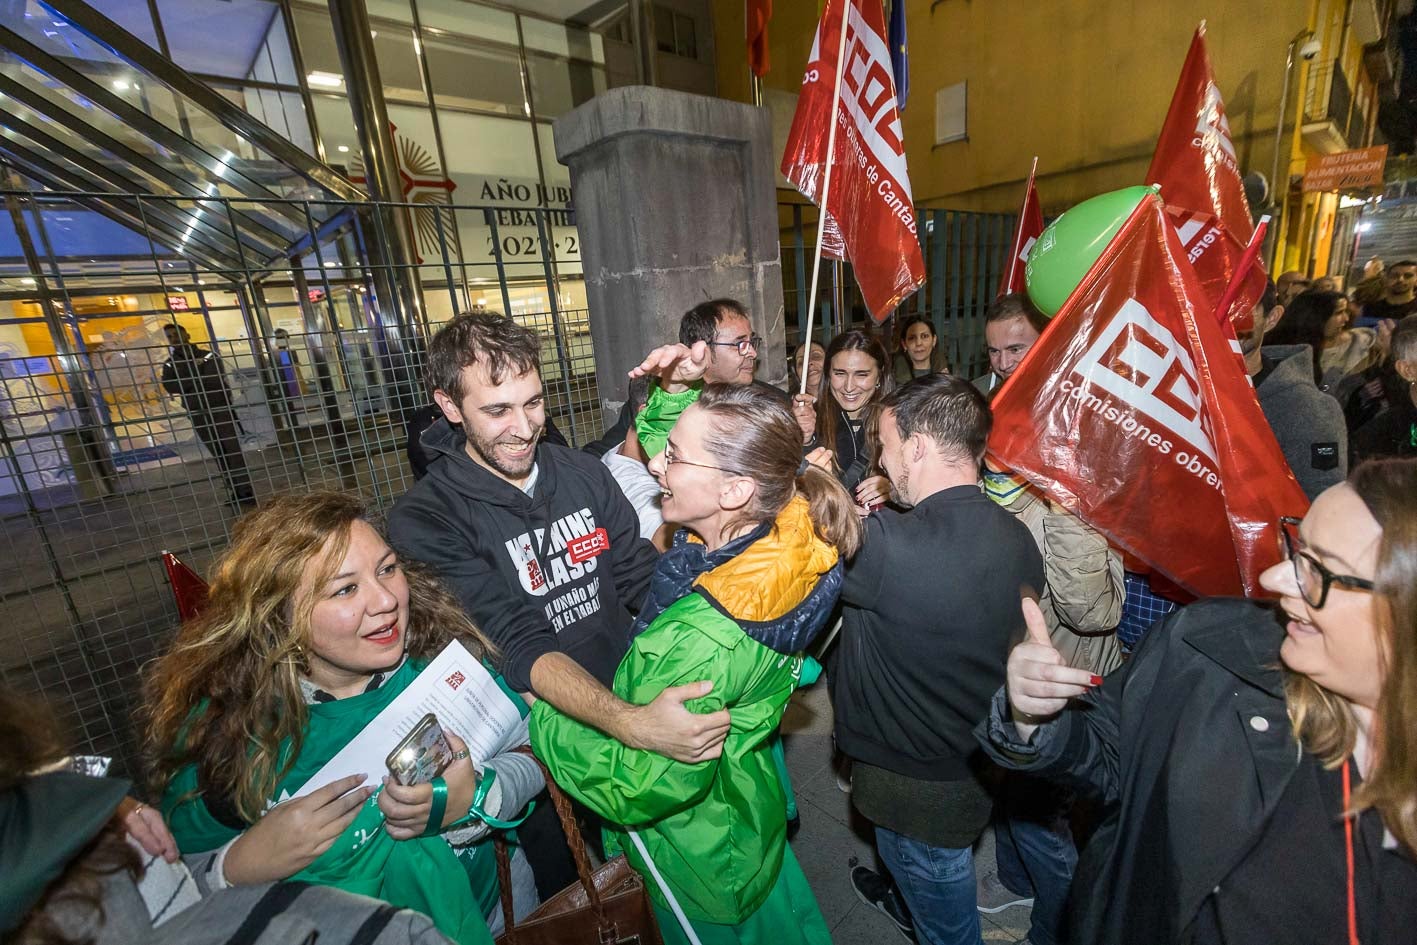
point(900, 57)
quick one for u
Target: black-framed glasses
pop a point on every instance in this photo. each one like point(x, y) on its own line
point(1313, 578)
point(670, 460)
point(752, 342)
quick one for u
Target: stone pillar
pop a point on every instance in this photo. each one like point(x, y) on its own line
point(676, 203)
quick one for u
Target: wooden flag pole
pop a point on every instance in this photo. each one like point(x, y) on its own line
point(806, 336)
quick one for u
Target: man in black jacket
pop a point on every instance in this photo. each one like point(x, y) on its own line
point(195, 375)
point(537, 541)
point(924, 647)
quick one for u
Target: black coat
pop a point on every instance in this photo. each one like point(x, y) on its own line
point(195, 375)
point(1189, 746)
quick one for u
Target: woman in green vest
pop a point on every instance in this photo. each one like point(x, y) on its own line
point(750, 580)
point(312, 627)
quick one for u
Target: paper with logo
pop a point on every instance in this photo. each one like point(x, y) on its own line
point(455, 687)
point(1133, 412)
point(1199, 175)
point(870, 218)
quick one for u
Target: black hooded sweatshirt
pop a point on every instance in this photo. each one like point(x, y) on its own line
point(560, 569)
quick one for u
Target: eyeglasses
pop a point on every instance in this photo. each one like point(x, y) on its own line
point(1313, 578)
point(752, 342)
point(670, 460)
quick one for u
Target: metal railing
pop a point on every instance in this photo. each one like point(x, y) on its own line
point(101, 467)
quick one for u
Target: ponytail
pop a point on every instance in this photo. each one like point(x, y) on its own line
point(832, 511)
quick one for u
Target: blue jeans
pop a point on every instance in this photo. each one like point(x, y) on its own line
point(938, 886)
point(1033, 846)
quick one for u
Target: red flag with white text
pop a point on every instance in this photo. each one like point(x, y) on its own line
point(870, 216)
point(1133, 412)
point(1026, 233)
point(1196, 166)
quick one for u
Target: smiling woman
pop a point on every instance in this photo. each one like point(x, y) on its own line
point(1243, 738)
point(312, 627)
point(748, 583)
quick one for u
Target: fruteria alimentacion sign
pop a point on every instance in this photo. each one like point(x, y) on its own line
point(1347, 170)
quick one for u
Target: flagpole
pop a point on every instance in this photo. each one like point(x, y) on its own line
point(1232, 289)
point(806, 337)
point(1013, 256)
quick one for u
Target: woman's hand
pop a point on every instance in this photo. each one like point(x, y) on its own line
point(873, 491)
point(147, 827)
point(804, 409)
point(406, 806)
point(822, 458)
point(294, 834)
point(677, 366)
point(1039, 682)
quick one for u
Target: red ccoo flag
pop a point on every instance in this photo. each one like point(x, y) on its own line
point(1133, 412)
point(758, 14)
point(1026, 233)
point(869, 215)
point(1195, 165)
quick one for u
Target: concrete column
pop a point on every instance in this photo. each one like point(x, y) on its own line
point(676, 203)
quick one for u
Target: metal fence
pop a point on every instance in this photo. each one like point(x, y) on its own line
point(103, 468)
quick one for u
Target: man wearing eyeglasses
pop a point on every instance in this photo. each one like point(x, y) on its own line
point(733, 347)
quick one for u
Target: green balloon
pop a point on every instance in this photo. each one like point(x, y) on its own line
point(1071, 244)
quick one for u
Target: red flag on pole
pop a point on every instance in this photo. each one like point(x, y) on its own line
point(759, 12)
point(1026, 233)
point(1133, 412)
point(188, 589)
point(870, 219)
point(1195, 165)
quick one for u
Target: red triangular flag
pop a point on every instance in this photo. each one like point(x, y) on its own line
point(759, 12)
point(1133, 412)
point(1195, 165)
point(870, 216)
point(188, 589)
point(1026, 233)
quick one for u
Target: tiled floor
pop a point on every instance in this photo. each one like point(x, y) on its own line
point(832, 832)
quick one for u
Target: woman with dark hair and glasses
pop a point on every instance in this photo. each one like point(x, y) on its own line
point(1257, 763)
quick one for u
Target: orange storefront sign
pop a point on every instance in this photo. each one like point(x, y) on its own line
point(1347, 170)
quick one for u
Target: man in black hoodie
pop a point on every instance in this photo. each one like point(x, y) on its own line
point(536, 540)
point(543, 550)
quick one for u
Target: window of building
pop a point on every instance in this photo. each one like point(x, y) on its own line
point(951, 113)
point(499, 77)
point(674, 33)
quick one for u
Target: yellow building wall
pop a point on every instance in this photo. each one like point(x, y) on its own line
point(1082, 84)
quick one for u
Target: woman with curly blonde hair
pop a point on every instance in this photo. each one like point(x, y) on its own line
point(312, 626)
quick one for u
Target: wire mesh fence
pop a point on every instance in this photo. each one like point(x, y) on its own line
point(149, 394)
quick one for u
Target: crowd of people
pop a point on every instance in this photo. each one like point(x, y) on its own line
point(647, 603)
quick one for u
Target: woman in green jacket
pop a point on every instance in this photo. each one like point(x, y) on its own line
point(312, 627)
point(750, 581)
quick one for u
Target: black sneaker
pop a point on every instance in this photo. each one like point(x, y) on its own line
point(880, 893)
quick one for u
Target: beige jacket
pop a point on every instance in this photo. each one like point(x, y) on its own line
point(1083, 600)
